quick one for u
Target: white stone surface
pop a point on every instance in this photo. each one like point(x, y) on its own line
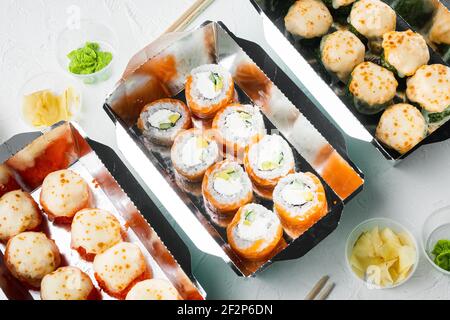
point(407, 193)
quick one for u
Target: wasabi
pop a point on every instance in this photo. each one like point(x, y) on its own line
point(88, 59)
point(441, 253)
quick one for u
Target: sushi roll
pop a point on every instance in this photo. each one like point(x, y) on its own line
point(308, 19)
point(254, 232)
point(18, 213)
point(193, 152)
point(153, 289)
point(430, 88)
point(404, 52)
point(373, 87)
point(341, 52)
point(63, 194)
point(401, 127)
point(161, 120)
point(372, 18)
point(268, 160)
point(226, 187)
point(238, 126)
point(300, 201)
point(336, 4)
point(209, 88)
point(439, 32)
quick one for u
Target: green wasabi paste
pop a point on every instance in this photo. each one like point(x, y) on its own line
point(88, 59)
point(441, 253)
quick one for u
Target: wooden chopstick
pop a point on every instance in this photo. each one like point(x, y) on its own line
point(189, 15)
point(317, 288)
point(326, 292)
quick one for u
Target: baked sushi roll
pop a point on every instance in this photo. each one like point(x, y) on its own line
point(372, 87)
point(68, 283)
point(237, 126)
point(161, 120)
point(63, 194)
point(308, 19)
point(372, 18)
point(153, 289)
point(254, 232)
point(429, 87)
point(29, 256)
point(404, 52)
point(193, 152)
point(268, 160)
point(300, 201)
point(341, 52)
point(209, 88)
point(93, 231)
point(18, 213)
point(119, 268)
point(226, 187)
point(439, 32)
point(401, 127)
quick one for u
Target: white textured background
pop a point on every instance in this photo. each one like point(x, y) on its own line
point(407, 193)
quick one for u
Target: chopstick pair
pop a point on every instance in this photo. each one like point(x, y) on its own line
point(317, 293)
point(189, 15)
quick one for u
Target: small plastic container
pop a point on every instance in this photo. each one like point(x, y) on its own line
point(369, 225)
point(76, 36)
point(436, 227)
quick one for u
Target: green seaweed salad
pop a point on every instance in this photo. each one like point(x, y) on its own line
point(441, 254)
point(88, 59)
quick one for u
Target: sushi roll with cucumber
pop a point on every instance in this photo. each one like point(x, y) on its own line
point(161, 120)
point(372, 87)
point(238, 126)
point(300, 201)
point(401, 127)
point(308, 19)
point(268, 160)
point(226, 187)
point(209, 88)
point(341, 52)
point(255, 232)
point(404, 52)
point(193, 152)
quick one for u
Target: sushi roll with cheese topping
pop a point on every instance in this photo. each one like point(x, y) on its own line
point(300, 201)
point(209, 88)
point(341, 52)
point(254, 232)
point(30, 256)
point(238, 126)
point(401, 127)
point(18, 213)
point(226, 187)
point(404, 52)
point(193, 152)
point(161, 120)
point(372, 18)
point(439, 32)
point(268, 160)
point(153, 289)
point(372, 87)
point(308, 19)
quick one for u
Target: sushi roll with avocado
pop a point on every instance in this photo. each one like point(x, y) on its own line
point(401, 127)
point(430, 89)
point(341, 52)
point(300, 201)
point(237, 126)
point(404, 52)
point(193, 152)
point(373, 87)
point(268, 160)
point(209, 88)
point(161, 120)
point(372, 18)
point(255, 232)
point(308, 19)
point(226, 187)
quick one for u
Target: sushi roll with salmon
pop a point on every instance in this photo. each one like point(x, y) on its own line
point(254, 232)
point(209, 88)
point(226, 187)
point(300, 201)
point(237, 126)
point(193, 152)
point(161, 120)
point(268, 160)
